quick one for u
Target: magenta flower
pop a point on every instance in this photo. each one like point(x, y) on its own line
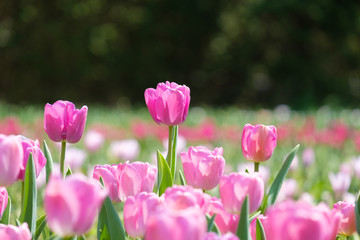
point(169, 103)
point(10, 232)
point(203, 168)
point(33, 147)
point(71, 204)
point(62, 122)
point(348, 223)
point(3, 200)
point(108, 174)
point(11, 157)
point(258, 142)
point(134, 178)
point(167, 223)
point(234, 188)
point(136, 212)
point(300, 220)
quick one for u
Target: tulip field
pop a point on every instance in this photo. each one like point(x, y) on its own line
point(170, 170)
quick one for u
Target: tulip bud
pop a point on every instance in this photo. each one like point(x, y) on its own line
point(3, 200)
point(63, 122)
point(10, 232)
point(236, 186)
point(348, 223)
point(136, 212)
point(71, 204)
point(169, 103)
point(203, 168)
point(258, 142)
point(11, 158)
point(108, 174)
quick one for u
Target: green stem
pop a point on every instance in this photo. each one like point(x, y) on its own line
point(256, 166)
point(62, 158)
point(169, 153)
point(22, 192)
point(173, 153)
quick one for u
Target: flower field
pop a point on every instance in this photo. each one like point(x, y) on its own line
point(323, 171)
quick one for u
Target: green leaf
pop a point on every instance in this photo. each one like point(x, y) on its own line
point(211, 224)
point(357, 213)
point(279, 179)
point(49, 162)
point(260, 232)
point(164, 175)
point(40, 224)
point(109, 224)
point(243, 227)
point(182, 179)
point(5, 219)
point(28, 211)
point(68, 172)
point(254, 215)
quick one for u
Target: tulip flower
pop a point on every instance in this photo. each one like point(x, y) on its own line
point(263, 219)
point(134, 178)
point(136, 212)
point(10, 232)
point(62, 122)
point(300, 220)
point(71, 204)
point(108, 174)
point(75, 157)
point(258, 142)
point(203, 168)
point(169, 103)
point(3, 200)
point(11, 158)
point(340, 183)
point(226, 222)
point(308, 157)
point(93, 140)
point(348, 223)
point(234, 188)
point(33, 147)
point(125, 150)
point(214, 236)
point(167, 223)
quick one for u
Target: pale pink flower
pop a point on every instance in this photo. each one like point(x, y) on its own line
point(127, 149)
point(348, 223)
point(93, 140)
point(3, 200)
point(11, 159)
point(10, 232)
point(108, 174)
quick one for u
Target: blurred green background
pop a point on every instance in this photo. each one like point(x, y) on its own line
point(248, 53)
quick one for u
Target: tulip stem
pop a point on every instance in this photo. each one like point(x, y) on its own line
point(22, 192)
point(62, 158)
point(171, 155)
point(256, 166)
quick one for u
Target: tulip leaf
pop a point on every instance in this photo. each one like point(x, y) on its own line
point(254, 215)
point(165, 179)
point(40, 225)
point(279, 179)
point(182, 179)
point(5, 219)
point(357, 213)
point(28, 211)
point(211, 224)
point(260, 232)
point(68, 172)
point(49, 162)
point(243, 227)
point(109, 224)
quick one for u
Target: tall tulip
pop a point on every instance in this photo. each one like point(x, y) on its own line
point(203, 168)
point(10, 232)
point(33, 147)
point(234, 188)
point(71, 204)
point(3, 200)
point(258, 142)
point(11, 157)
point(348, 223)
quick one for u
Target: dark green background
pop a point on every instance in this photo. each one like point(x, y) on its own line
point(250, 53)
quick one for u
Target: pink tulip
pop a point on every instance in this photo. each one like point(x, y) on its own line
point(74, 158)
point(3, 200)
point(108, 174)
point(300, 220)
point(125, 150)
point(263, 219)
point(340, 183)
point(234, 188)
point(258, 142)
point(169, 103)
point(136, 212)
point(170, 224)
point(33, 147)
point(11, 158)
point(308, 157)
point(226, 222)
point(62, 122)
point(203, 168)
point(10, 232)
point(134, 178)
point(214, 236)
point(348, 224)
point(182, 197)
point(71, 204)
point(93, 140)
